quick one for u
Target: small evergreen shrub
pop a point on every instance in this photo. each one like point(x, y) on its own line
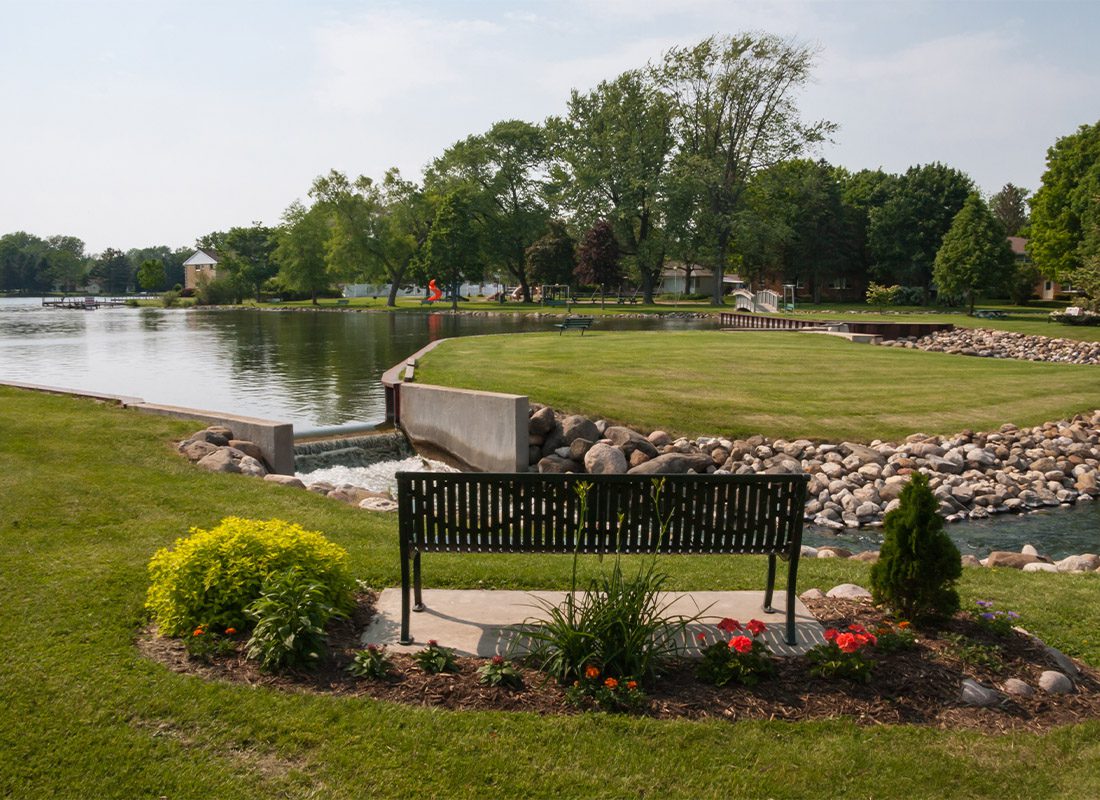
point(918, 564)
point(290, 615)
point(210, 577)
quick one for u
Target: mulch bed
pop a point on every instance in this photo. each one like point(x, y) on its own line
point(918, 686)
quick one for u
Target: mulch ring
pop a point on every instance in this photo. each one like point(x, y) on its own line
point(918, 686)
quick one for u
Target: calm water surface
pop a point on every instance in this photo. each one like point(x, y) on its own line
point(323, 369)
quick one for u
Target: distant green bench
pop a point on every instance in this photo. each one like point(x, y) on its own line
point(342, 302)
point(989, 314)
point(580, 323)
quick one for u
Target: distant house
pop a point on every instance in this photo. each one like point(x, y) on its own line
point(679, 278)
point(1045, 288)
point(202, 262)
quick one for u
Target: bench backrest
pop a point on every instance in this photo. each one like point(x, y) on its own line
point(571, 321)
point(528, 512)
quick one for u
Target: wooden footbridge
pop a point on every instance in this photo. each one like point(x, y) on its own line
point(84, 302)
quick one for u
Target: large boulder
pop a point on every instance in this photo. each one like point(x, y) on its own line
point(673, 463)
point(555, 464)
point(221, 460)
point(197, 449)
point(862, 454)
point(605, 459)
point(1005, 558)
point(252, 466)
point(629, 441)
point(284, 480)
point(248, 448)
point(576, 427)
point(542, 421)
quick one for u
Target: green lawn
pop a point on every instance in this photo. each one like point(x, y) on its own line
point(88, 492)
point(778, 383)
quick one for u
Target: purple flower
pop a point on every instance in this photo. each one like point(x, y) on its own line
point(989, 616)
point(1013, 615)
point(984, 603)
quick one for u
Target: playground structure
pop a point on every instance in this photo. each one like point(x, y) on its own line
point(434, 292)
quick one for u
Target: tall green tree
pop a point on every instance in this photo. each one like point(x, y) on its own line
point(735, 104)
point(300, 251)
point(67, 261)
point(975, 255)
point(150, 274)
point(452, 247)
point(1065, 211)
point(613, 153)
point(353, 208)
point(599, 259)
point(907, 230)
point(24, 263)
point(114, 271)
point(171, 258)
point(403, 222)
point(246, 254)
point(1009, 206)
point(502, 175)
point(552, 257)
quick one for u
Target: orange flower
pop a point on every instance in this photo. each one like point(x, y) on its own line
point(230, 631)
point(632, 685)
point(198, 632)
point(611, 683)
point(903, 625)
point(591, 672)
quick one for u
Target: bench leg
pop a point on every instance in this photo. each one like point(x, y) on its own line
point(792, 587)
point(406, 588)
point(769, 590)
point(419, 604)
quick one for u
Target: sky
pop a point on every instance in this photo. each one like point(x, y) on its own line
point(138, 123)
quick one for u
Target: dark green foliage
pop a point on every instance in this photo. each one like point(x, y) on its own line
point(551, 258)
point(500, 672)
point(599, 257)
point(435, 658)
point(290, 616)
point(373, 663)
point(918, 564)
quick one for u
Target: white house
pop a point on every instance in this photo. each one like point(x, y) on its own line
point(201, 262)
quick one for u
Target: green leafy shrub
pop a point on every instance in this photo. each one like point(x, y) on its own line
point(881, 296)
point(169, 299)
point(918, 564)
point(893, 638)
point(997, 622)
point(435, 658)
point(205, 645)
point(374, 663)
point(290, 614)
point(607, 693)
point(209, 577)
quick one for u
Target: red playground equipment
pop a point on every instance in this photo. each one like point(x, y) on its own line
point(436, 294)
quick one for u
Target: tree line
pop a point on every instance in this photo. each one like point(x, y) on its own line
point(700, 160)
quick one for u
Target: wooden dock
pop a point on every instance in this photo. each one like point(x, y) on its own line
point(84, 303)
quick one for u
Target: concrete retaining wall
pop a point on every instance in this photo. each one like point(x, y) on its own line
point(486, 430)
point(275, 439)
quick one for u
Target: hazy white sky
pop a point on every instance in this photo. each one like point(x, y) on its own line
point(134, 123)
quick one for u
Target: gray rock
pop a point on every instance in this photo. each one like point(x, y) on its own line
point(579, 447)
point(659, 439)
point(1029, 550)
point(808, 552)
point(1018, 687)
point(197, 449)
point(838, 552)
point(542, 421)
point(870, 556)
point(248, 448)
point(216, 435)
point(605, 459)
point(863, 454)
point(849, 591)
point(576, 427)
point(1003, 558)
point(284, 480)
point(555, 464)
point(320, 487)
point(251, 466)
point(221, 460)
point(1064, 662)
point(673, 463)
point(1054, 682)
point(1086, 562)
point(969, 560)
point(630, 441)
point(378, 504)
point(1039, 566)
point(974, 694)
point(812, 594)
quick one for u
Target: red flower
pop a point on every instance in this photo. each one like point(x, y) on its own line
point(742, 644)
point(702, 637)
point(611, 683)
point(230, 631)
point(847, 643)
point(433, 642)
point(756, 627)
point(632, 685)
point(857, 629)
point(729, 625)
point(498, 660)
point(830, 634)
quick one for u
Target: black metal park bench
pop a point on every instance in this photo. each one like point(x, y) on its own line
point(540, 513)
point(582, 323)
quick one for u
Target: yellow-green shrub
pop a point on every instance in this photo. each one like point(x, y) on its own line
point(210, 577)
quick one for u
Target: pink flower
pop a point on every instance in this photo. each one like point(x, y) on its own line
point(742, 644)
point(729, 625)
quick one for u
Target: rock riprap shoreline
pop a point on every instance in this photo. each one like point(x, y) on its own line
point(973, 475)
point(989, 343)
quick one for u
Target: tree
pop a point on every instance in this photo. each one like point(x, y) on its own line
point(907, 230)
point(24, 263)
point(451, 248)
point(975, 253)
point(300, 250)
point(171, 258)
point(613, 152)
point(67, 261)
point(501, 173)
point(599, 257)
point(734, 101)
point(402, 228)
point(1009, 206)
point(552, 257)
point(918, 564)
point(150, 274)
point(114, 271)
point(246, 254)
point(1065, 211)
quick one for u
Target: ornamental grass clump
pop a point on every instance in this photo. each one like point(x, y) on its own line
point(209, 578)
point(620, 624)
point(738, 659)
point(918, 564)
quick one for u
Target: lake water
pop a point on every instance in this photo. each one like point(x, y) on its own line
point(323, 369)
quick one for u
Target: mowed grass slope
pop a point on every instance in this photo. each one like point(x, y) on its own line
point(777, 383)
point(88, 493)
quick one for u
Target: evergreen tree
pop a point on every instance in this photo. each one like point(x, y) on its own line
point(918, 564)
point(975, 254)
